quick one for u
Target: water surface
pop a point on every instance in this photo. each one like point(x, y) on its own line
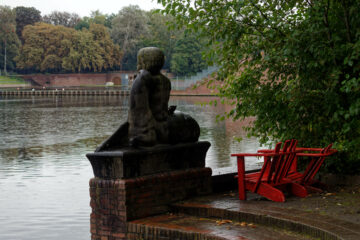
point(44, 173)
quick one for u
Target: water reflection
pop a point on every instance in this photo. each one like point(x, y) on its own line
point(43, 170)
point(220, 134)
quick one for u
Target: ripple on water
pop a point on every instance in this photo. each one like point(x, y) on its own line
point(44, 174)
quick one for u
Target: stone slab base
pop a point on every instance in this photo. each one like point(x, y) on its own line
point(129, 162)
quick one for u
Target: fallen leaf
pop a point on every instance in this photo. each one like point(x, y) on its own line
point(229, 194)
point(220, 222)
point(329, 194)
point(251, 225)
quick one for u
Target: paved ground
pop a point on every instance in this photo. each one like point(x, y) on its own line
point(219, 228)
point(333, 214)
point(340, 202)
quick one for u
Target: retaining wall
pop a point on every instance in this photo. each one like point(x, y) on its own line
point(79, 79)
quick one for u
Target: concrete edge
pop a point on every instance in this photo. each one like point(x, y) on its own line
point(139, 231)
point(313, 227)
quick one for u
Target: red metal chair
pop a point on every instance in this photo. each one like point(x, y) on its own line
point(270, 180)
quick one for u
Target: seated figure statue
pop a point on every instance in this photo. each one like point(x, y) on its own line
point(150, 120)
point(149, 99)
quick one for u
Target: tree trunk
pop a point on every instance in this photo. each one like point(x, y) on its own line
point(5, 73)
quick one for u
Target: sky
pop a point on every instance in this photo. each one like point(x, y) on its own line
point(81, 7)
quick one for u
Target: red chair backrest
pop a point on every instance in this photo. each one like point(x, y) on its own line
point(284, 162)
point(315, 165)
point(278, 167)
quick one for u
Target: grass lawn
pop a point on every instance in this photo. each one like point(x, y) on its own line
point(11, 80)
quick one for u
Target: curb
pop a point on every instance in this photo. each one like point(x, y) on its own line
point(300, 222)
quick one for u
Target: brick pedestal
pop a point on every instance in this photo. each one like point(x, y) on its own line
point(114, 202)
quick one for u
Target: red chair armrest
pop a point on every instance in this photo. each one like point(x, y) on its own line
point(296, 150)
point(265, 150)
point(255, 154)
point(309, 149)
point(332, 151)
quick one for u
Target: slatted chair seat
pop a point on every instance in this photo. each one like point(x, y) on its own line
point(271, 180)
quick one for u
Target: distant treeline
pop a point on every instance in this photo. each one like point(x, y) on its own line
point(63, 42)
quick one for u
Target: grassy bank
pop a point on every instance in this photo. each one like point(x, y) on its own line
point(6, 80)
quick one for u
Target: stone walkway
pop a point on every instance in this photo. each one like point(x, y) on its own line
point(223, 216)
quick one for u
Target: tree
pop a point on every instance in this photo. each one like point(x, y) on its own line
point(129, 27)
point(26, 16)
point(49, 48)
point(111, 53)
point(92, 50)
point(187, 57)
point(62, 18)
point(44, 47)
point(85, 54)
point(83, 23)
point(292, 64)
point(9, 42)
point(96, 17)
point(163, 34)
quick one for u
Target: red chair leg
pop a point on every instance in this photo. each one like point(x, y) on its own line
point(270, 192)
point(313, 189)
point(298, 190)
point(241, 178)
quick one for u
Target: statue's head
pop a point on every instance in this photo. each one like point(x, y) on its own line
point(151, 59)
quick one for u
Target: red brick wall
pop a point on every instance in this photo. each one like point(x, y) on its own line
point(114, 202)
point(76, 79)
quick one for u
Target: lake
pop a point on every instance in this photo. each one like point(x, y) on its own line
point(44, 174)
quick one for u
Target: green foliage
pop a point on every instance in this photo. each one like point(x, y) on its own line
point(11, 80)
point(292, 64)
point(49, 48)
point(129, 27)
point(62, 18)
point(163, 35)
point(187, 58)
point(109, 52)
point(85, 54)
point(26, 16)
point(9, 42)
point(133, 29)
point(96, 17)
point(83, 23)
point(44, 42)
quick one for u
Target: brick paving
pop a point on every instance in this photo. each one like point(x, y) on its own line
point(181, 226)
point(223, 216)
